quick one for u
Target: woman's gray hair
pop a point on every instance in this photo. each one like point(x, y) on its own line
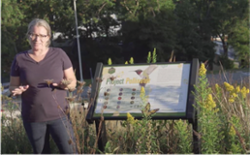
point(39, 22)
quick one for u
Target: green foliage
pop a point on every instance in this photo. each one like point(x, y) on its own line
point(154, 58)
point(135, 133)
point(194, 32)
point(209, 123)
point(152, 136)
point(59, 14)
point(239, 39)
point(183, 26)
point(144, 27)
point(199, 20)
point(235, 125)
point(11, 24)
point(185, 143)
point(224, 18)
point(107, 147)
point(149, 57)
point(16, 16)
point(16, 140)
point(95, 16)
point(226, 63)
point(143, 8)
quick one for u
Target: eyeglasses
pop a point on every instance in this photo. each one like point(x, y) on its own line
point(41, 36)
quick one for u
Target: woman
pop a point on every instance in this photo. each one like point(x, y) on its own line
point(39, 76)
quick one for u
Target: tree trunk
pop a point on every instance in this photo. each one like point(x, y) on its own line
point(225, 48)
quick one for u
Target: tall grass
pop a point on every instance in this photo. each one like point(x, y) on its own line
point(224, 126)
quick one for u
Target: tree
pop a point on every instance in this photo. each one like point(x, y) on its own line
point(15, 18)
point(239, 39)
point(224, 15)
point(59, 14)
point(194, 33)
point(11, 23)
point(199, 20)
point(147, 25)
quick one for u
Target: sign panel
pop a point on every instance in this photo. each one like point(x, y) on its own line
point(166, 88)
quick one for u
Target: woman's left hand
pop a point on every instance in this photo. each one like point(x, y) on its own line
point(69, 81)
point(60, 85)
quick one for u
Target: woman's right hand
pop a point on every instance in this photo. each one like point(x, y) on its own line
point(19, 90)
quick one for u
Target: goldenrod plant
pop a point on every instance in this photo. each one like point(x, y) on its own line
point(143, 97)
point(109, 61)
point(234, 108)
point(144, 131)
point(208, 120)
point(130, 119)
point(184, 136)
point(131, 61)
point(233, 143)
point(149, 57)
point(154, 57)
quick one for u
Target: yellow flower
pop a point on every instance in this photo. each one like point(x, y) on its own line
point(230, 100)
point(244, 92)
point(217, 86)
point(234, 95)
point(210, 102)
point(142, 90)
point(202, 70)
point(228, 87)
point(142, 95)
point(237, 89)
point(243, 89)
point(131, 61)
point(131, 119)
point(232, 131)
point(109, 61)
point(244, 95)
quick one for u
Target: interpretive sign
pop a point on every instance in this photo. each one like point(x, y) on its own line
point(166, 86)
point(122, 89)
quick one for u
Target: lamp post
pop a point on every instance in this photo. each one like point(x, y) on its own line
point(78, 43)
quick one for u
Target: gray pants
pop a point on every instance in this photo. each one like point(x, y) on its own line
point(61, 131)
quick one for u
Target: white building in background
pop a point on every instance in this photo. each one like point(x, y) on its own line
point(220, 51)
point(219, 48)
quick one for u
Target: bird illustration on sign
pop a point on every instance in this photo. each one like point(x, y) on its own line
point(144, 74)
